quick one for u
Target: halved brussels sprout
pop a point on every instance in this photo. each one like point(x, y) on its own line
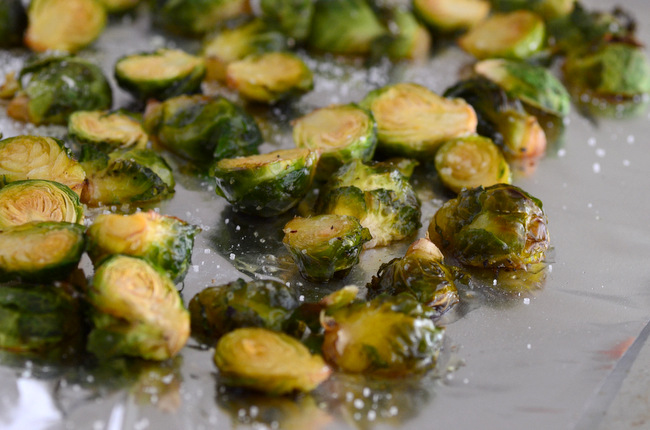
point(341, 133)
point(55, 87)
point(269, 77)
point(549, 9)
point(125, 176)
point(268, 361)
point(451, 15)
point(13, 22)
point(422, 274)
point(194, 18)
point(390, 336)
point(268, 184)
point(292, 16)
point(107, 130)
point(38, 318)
point(161, 74)
point(516, 35)
point(533, 85)
point(218, 310)
point(38, 200)
point(325, 246)
point(203, 129)
point(119, 6)
point(40, 252)
point(254, 37)
point(379, 196)
point(344, 27)
point(36, 157)
point(408, 39)
point(164, 241)
point(64, 25)
point(613, 70)
point(413, 121)
point(501, 226)
point(136, 311)
point(471, 161)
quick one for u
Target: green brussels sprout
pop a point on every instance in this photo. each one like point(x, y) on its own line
point(515, 35)
point(218, 310)
point(471, 161)
point(164, 241)
point(194, 18)
point(268, 361)
point(202, 129)
point(268, 184)
point(533, 85)
point(119, 6)
point(125, 176)
point(325, 246)
point(13, 22)
point(36, 157)
point(408, 39)
point(502, 118)
point(64, 25)
point(293, 17)
point(378, 195)
point(55, 87)
point(549, 9)
point(390, 336)
point(38, 318)
point(422, 274)
point(161, 74)
point(413, 121)
point(344, 27)
point(40, 251)
point(136, 311)
point(341, 133)
point(38, 200)
point(254, 37)
point(269, 77)
point(107, 130)
point(614, 70)
point(451, 15)
point(500, 226)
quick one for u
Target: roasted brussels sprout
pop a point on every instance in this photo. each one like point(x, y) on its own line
point(37, 200)
point(119, 6)
point(164, 241)
point(125, 176)
point(38, 318)
point(344, 27)
point(196, 17)
point(413, 121)
point(500, 226)
point(269, 77)
point(268, 361)
point(64, 25)
point(379, 196)
point(533, 85)
point(471, 161)
point(136, 311)
point(13, 22)
point(341, 133)
point(36, 157)
point(408, 39)
point(218, 310)
point(549, 9)
point(325, 246)
point(451, 15)
point(422, 274)
point(292, 16)
point(107, 130)
point(389, 336)
point(203, 129)
point(516, 35)
point(40, 252)
point(254, 37)
point(268, 184)
point(55, 87)
point(160, 75)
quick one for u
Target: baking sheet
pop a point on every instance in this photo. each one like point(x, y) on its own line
point(551, 358)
